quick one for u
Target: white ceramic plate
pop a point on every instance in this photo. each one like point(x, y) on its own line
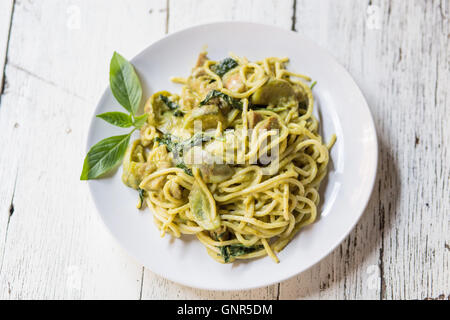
point(342, 109)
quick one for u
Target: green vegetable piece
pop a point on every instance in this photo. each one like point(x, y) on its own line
point(126, 88)
point(133, 169)
point(125, 84)
point(215, 172)
point(196, 139)
point(169, 141)
point(141, 198)
point(118, 119)
point(231, 251)
point(173, 144)
point(224, 66)
point(183, 166)
point(170, 104)
point(140, 120)
point(275, 92)
point(201, 209)
point(178, 113)
point(208, 114)
point(224, 100)
point(104, 156)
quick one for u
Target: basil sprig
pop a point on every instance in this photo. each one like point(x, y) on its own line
point(126, 88)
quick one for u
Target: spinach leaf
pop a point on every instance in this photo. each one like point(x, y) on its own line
point(232, 102)
point(141, 197)
point(234, 250)
point(195, 140)
point(104, 156)
point(177, 148)
point(170, 104)
point(168, 141)
point(183, 166)
point(178, 113)
point(303, 104)
point(118, 119)
point(125, 84)
point(224, 66)
point(141, 194)
point(229, 101)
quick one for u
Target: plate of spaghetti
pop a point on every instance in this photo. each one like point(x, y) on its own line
point(252, 155)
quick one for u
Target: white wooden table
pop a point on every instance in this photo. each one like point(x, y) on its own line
point(54, 58)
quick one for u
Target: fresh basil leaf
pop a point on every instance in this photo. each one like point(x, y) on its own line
point(118, 119)
point(125, 84)
point(139, 121)
point(104, 156)
point(224, 66)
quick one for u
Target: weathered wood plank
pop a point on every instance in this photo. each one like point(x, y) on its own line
point(8, 180)
point(186, 13)
point(6, 10)
point(350, 270)
point(398, 54)
point(182, 14)
point(55, 246)
point(414, 114)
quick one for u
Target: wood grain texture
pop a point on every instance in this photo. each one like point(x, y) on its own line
point(6, 11)
point(185, 13)
point(52, 245)
point(398, 53)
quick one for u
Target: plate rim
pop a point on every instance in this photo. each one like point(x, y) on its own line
point(366, 199)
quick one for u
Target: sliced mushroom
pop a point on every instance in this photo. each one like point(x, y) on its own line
point(253, 118)
point(215, 173)
point(175, 190)
point(275, 92)
point(271, 123)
